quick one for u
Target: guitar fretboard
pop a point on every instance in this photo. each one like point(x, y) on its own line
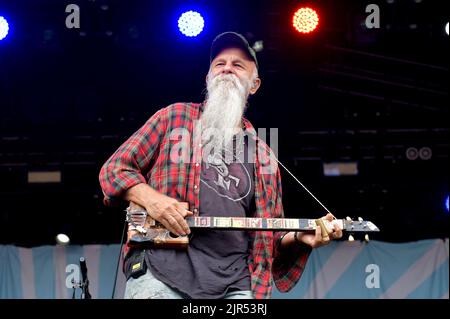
point(270, 224)
point(275, 224)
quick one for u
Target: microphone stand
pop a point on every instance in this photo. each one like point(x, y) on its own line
point(84, 283)
point(85, 291)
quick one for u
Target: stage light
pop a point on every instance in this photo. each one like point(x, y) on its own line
point(258, 46)
point(412, 153)
point(305, 20)
point(446, 203)
point(62, 239)
point(4, 28)
point(446, 28)
point(425, 153)
point(191, 23)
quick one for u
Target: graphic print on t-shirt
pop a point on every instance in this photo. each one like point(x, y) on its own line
point(229, 180)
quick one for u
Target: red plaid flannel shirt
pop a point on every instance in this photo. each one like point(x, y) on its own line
point(146, 158)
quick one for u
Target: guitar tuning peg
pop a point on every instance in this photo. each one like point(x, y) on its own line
point(349, 219)
point(351, 238)
point(360, 220)
point(366, 238)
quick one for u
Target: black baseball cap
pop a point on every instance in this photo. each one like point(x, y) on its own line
point(232, 39)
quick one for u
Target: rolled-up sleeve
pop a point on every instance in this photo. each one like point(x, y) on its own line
point(130, 162)
point(288, 263)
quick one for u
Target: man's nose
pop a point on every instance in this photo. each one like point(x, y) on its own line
point(227, 68)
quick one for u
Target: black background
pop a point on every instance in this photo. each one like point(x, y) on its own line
point(345, 93)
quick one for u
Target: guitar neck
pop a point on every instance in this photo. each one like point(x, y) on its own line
point(273, 224)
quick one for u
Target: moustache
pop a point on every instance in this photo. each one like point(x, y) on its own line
point(226, 78)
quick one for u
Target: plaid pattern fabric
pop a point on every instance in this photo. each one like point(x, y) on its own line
point(153, 155)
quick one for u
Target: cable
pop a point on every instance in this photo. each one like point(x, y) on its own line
point(304, 187)
point(118, 259)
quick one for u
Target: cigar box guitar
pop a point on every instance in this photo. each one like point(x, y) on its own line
point(144, 231)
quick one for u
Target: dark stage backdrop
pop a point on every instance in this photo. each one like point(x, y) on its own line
point(344, 93)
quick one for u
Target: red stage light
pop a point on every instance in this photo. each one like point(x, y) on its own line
point(305, 20)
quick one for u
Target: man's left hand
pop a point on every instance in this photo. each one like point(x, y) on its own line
point(316, 240)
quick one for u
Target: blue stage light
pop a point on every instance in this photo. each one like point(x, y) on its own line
point(191, 23)
point(446, 203)
point(4, 28)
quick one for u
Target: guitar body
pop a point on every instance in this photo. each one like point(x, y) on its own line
point(152, 234)
point(157, 237)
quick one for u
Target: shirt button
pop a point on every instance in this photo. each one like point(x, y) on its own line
point(200, 145)
point(195, 186)
point(195, 210)
point(196, 164)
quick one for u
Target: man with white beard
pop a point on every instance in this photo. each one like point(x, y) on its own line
point(220, 173)
point(227, 94)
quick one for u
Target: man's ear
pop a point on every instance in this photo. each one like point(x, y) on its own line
point(256, 85)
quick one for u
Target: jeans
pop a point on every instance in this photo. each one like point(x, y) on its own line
point(148, 287)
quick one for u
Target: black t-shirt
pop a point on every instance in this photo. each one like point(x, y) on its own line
point(216, 260)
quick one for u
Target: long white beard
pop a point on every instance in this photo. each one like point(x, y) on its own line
point(225, 105)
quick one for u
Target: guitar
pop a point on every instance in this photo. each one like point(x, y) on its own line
point(144, 231)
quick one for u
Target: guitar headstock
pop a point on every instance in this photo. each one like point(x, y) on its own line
point(359, 225)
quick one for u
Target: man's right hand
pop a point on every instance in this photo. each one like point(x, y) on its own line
point(164, 209)
point(169, 212)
